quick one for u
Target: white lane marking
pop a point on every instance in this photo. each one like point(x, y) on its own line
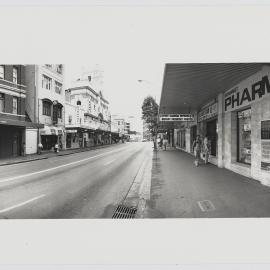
point(55, 168)
point(22, 203)
point(109, 162)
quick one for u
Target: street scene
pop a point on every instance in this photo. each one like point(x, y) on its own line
point(179, 141)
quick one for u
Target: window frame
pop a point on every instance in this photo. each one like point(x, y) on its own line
point(58, 85)
point(15, 77)
point(46, 108)
point(45, 80)
point(3, 67)
point(15, 109)
point(2, 98)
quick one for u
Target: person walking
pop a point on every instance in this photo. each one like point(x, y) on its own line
point(165, 142)
point(206, 149)
point(40, 147)
point(197, 145)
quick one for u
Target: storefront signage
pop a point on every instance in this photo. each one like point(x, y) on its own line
point(208, 112)
point(237, 98)
point(176, 117)
point(71, 131)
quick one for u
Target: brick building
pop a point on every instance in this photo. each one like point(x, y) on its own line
point(13, 120)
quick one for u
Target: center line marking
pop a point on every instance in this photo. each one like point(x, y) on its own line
point(57, 167)
point(21, 204)
point(109, 162)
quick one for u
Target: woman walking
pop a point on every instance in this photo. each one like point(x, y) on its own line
point(197, 144)
point(206, 149)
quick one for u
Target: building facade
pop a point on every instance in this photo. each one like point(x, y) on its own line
point(45, 103)
point(91, 113)
point(15, 125)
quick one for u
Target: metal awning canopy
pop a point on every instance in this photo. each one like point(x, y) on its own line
point(188, 87)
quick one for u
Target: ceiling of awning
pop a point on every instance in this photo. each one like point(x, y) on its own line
point(190, 86)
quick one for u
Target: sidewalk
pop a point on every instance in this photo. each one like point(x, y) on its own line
point(48, 154)
point(181, 190)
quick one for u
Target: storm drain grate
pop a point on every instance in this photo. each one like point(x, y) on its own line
point(123, 211)
point(206, 206)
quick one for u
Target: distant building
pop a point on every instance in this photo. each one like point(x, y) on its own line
point(92, 123)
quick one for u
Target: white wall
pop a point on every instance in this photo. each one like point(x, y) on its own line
point(31, 141)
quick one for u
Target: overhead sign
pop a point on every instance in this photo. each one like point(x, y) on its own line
point(245, 93)
point(176, 117)
point(208, 112)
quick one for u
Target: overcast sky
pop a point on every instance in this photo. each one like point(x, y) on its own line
point(121, 87)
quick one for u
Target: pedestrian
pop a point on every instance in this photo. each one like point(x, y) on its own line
point(23, 149)
point(40, 147)
point(206, 149)
point(165, 142)
point(56, 148)
point(158, 141)
point(197, 145)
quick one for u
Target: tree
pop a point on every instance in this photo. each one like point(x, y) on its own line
point(150, 115)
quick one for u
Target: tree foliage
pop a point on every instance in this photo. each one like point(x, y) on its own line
point(150, 114)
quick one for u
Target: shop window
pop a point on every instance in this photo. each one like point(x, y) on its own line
point(2, 72)
point(2, 102)
point(46, 108)
point(15, 75)
point(244, 136)
point(265, 130)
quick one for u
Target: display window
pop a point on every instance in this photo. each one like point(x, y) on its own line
point(244, 136)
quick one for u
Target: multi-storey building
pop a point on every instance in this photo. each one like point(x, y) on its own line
point(13, 120)
point(121, 124)
point(94, 128)
point(45, 102)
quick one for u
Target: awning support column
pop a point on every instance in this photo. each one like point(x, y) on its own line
point(221, 130)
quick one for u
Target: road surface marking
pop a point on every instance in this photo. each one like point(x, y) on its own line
point(57, 167)
point(111, 161)
point(206, 206)
point(21, 204)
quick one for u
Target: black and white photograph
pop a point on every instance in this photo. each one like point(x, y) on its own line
point(134, 134)
point(192, 143)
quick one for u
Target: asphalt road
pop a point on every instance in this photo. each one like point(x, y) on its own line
point(82, 185)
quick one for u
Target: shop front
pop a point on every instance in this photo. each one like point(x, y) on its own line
point(247, 127)
point(50, 136)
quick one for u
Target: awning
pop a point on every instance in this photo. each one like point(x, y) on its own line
point(188, 87)
point(50, 130)
point(18, 123)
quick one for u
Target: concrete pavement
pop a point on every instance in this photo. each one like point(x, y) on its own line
point(181, 190)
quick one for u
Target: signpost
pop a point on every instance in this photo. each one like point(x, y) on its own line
point(176, 117)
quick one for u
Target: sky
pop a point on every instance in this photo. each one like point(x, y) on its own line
point(121, 85)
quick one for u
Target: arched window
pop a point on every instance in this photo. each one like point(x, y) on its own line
point(79, 102)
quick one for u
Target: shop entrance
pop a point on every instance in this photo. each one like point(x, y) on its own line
point(211, 133)
point(48, 141)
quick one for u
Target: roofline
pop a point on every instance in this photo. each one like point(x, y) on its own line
point(83, 87)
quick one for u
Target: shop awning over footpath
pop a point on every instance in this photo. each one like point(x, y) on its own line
point(187, 87)
point(18, 123)
point(50, 130)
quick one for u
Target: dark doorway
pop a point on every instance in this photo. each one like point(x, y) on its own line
point(193, 134)
point(211, 133)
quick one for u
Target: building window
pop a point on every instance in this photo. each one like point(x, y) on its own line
point(59, 112)
point(48, 66)
point(15, 105)
point(79, 103)
point(2, 102)
point(15, 75)
point(2, 72)
point(58, 87)
point(59, 69)
point(244, 136)
point(46, 82)
point(46, 108)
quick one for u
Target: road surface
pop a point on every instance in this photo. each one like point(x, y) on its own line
point(83, 185)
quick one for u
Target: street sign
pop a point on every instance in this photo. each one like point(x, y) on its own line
point(176, 117)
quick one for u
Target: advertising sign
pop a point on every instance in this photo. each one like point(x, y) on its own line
point(208, 112)
point(247, 92)
point(176, 117)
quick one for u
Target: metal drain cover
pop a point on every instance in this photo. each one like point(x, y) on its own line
point(123, 211)
point(206, 206)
